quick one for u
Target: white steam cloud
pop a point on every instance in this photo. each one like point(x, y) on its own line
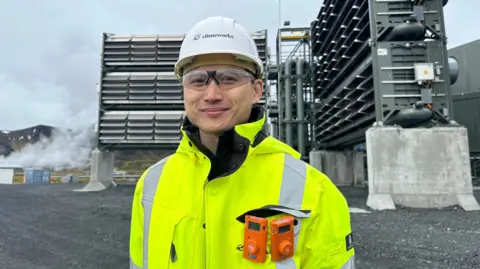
point(65, 149)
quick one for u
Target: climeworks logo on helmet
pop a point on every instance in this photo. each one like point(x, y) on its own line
point(203, 36)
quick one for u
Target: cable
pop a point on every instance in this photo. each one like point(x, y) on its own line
point(430, 106)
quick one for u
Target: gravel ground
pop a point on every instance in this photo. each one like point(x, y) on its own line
point(51, 227)
point(414, 238)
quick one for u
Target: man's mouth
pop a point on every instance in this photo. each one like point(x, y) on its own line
point(214, 112)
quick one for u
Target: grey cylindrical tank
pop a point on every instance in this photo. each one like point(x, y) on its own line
point(407, 31)
point(409, 117)
point(453, 69)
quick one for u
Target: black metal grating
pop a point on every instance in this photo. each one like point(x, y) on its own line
point(343, 84)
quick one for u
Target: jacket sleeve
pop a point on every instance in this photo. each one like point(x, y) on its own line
point(136, 227)
point(329, 242)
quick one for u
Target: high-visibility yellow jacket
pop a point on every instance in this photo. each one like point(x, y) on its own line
point(181, 219)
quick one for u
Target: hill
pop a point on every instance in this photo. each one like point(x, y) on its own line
point(11, 141)
point(65, 149)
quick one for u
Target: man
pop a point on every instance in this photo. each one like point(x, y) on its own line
point(190, 209)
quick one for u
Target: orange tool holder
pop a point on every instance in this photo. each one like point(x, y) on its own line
point(255, 239)
point(282, 238)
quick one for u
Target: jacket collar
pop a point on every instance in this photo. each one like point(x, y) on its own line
point(249, 134)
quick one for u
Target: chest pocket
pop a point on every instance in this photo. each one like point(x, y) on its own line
point(272, 212)
point(171, 239)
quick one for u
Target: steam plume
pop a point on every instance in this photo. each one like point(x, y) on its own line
point(65, 149)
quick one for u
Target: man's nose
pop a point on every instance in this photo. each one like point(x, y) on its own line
point(212, 92)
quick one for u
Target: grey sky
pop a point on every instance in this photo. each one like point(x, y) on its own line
point(50, 49)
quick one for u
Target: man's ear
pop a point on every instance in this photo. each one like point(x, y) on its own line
point(257, 90)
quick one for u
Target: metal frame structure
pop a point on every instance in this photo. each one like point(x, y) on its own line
point(367, 57)
point(140, 99)
point(293, 89)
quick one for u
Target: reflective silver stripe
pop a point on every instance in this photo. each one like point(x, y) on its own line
point(293, 182)
point(291, 195)
point(350, 264)
point(133, 265)
point(151, 180)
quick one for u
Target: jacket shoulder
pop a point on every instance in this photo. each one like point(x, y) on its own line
point(316, 183)
point(162, 161)
point(155, 166)
point(299, 173)
point(307, 171)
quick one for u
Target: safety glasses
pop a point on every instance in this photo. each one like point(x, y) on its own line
point(226, 79)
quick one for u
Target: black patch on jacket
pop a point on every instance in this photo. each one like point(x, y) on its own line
point(349, 241)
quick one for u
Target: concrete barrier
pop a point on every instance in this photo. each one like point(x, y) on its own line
point(344, 168)
point(101, 175)
point(420, 168)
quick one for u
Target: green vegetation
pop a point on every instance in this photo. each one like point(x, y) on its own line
point(135, 162)
point(134, 166)
point(18, 179)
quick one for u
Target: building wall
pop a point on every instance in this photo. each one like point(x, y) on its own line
point(6, 176)
point(466, 109)
point(468, 58)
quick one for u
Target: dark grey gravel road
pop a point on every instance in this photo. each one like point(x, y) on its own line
point(51, 227)
point(413, 238)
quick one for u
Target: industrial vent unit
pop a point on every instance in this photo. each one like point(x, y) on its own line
point(378, 60)
point(141, 100)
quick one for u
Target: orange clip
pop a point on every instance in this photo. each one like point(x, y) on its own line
point(282, 245)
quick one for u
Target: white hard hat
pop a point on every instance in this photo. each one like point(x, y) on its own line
point(218, 35)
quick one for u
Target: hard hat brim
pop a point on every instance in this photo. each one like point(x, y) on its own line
point(239, 55)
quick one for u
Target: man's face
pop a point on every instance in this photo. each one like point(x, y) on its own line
point(214, 107)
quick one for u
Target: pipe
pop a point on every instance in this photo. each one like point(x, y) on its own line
point(274, 130)
point(300, 108)
point(288, 103)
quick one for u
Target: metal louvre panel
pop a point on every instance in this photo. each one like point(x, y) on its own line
point(141, 127)
point(141, 87)
point(155, 50)
point(141, 49)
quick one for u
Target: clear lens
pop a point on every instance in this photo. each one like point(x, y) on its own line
point(225, 78)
